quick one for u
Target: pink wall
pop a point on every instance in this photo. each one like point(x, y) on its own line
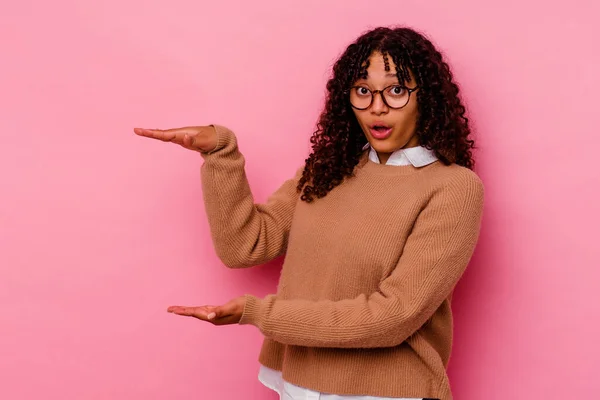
point(101, 230)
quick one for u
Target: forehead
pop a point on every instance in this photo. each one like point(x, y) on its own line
point(380, 68)
point(383, 69)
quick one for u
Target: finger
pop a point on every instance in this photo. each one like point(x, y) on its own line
point(158, 134)
point(169, 135)
point(197, 312)
point(178, 308)
point(176, 131)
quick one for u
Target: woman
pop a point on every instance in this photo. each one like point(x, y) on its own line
point(377, 227)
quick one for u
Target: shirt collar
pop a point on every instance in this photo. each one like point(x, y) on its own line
point(416, 156)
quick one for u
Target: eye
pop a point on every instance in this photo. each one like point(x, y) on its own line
point(362, 91)
point(397, 90)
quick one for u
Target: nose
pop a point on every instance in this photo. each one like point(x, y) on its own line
point(378, 107)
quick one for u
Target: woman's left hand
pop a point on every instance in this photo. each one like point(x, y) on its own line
point(229, 313)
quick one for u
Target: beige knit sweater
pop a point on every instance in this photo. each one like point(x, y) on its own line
point(363, 302)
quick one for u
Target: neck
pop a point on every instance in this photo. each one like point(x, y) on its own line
point(383, 157)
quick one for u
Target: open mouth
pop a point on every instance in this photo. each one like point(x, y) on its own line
point(380, 131)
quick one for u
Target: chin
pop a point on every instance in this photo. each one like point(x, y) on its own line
point(385, 147)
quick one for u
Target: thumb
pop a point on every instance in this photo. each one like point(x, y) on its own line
point(212, 312)
point(222, 311)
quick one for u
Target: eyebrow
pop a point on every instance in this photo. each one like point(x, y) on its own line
point(388, 75)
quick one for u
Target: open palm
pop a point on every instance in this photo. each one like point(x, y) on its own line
point(197, 138)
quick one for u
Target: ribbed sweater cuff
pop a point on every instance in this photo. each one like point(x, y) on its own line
point(224, 138)
point(253, 311)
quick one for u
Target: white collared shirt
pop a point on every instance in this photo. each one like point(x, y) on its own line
point(416, 156)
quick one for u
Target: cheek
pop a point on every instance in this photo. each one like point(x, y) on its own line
point(407, 119)
point(402, 120)
point(360, 117)
point(414, 114)
point(357, 115)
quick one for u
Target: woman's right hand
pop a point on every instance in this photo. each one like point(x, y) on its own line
point(198, 138)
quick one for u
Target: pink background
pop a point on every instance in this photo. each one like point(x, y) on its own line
point(101, 230)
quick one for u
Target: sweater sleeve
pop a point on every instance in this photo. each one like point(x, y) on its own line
point(434, 258)
point(244, 234)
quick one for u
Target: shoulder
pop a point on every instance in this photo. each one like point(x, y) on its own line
point(454, 176)
point(457, 184)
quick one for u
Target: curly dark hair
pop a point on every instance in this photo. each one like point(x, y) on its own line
point(338, 140)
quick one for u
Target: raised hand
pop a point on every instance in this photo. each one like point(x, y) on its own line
point(229, 313)
point(197, 138)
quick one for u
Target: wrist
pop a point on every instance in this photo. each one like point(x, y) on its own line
point(251, 313)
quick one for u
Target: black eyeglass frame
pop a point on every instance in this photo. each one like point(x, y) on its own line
point(374, 92)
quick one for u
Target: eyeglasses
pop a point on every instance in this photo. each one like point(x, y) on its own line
point(393, 96)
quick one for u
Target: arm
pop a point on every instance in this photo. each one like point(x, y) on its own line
point(244, 234)
point(434, 258)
